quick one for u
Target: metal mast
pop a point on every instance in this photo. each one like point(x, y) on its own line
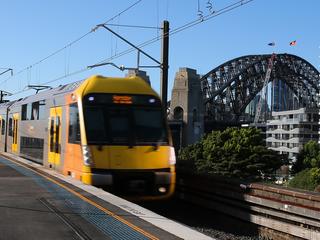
point(264, 88)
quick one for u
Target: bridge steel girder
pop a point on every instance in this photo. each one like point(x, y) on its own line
point(234, 84)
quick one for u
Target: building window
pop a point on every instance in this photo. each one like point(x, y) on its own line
point(307, 126)
point(194, 116)
point(309, 117)
point(307, 136)
point(178, 113)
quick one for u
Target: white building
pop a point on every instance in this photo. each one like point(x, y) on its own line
point(288, 131)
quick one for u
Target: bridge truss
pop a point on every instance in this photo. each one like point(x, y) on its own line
point(229, 88)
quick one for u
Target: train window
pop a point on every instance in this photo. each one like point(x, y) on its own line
point(57, 144)
point(52, 134)
point(119, 125)
point(10, 133)
point(42, 106)
point(74, 126)
point(29, 111)
point(37, 111)
point(3, 127)
point(149, 126)
point(95, 124)
point(24, 112)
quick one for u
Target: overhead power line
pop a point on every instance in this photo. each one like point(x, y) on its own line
point(128, 8)
point(69, 44)
point(174, 31)
point(181, 28)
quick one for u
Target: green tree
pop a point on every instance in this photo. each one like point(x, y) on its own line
point(307, 179)
point(188, 156)
point(309, 157)
point(233, 152)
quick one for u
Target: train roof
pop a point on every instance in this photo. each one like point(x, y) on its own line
point(126, 85)
point(6, 104)
point(46, 94)
point(113, 84)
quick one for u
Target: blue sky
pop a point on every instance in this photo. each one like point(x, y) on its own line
point(32, 30)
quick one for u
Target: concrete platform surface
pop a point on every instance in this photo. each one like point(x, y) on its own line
point(38, 203)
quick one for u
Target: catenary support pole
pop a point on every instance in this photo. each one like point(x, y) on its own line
point(164, 64)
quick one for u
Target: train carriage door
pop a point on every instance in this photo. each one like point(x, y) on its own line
point(15, 133)
point(54, 150)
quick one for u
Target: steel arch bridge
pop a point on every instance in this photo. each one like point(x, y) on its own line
point(229, 88)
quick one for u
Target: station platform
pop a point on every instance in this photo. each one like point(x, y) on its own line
point(38, 203)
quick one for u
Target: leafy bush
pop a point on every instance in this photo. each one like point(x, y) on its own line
point(234, 152)
point(188, 156)
point(309, 157)
point(307, 179)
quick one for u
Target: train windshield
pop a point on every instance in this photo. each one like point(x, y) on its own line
point(124, 123)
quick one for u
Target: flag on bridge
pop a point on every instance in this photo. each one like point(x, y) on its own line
point(272, 44)
point(293, 43)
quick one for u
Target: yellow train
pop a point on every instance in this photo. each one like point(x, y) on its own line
point(108, 132)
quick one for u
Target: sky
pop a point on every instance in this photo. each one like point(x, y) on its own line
point(51, 42)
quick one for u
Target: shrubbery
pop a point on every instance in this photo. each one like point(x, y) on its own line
point(309, 157)
point(307, 179)
point(234, 152)
point(307, 167)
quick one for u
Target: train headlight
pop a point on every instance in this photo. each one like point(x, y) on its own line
point(162, 189)
point(172, 156)
point(87, 156)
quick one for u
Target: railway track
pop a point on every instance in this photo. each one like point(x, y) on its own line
point(279, 213)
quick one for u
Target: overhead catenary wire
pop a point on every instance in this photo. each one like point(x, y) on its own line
point(181, 28)
point(211, 15)
point(69, 44)
point(128, 8)
point(200, 13)
point(49, 56)
point(55, 79)
point(174, 31)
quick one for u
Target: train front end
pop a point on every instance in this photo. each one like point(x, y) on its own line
point(126, 144)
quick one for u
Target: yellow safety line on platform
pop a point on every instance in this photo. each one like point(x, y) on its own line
point(87, 200)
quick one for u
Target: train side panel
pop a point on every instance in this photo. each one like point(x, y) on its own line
point(29, 130)
point(4, 124)
point(73, 164)
point(51, 128)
